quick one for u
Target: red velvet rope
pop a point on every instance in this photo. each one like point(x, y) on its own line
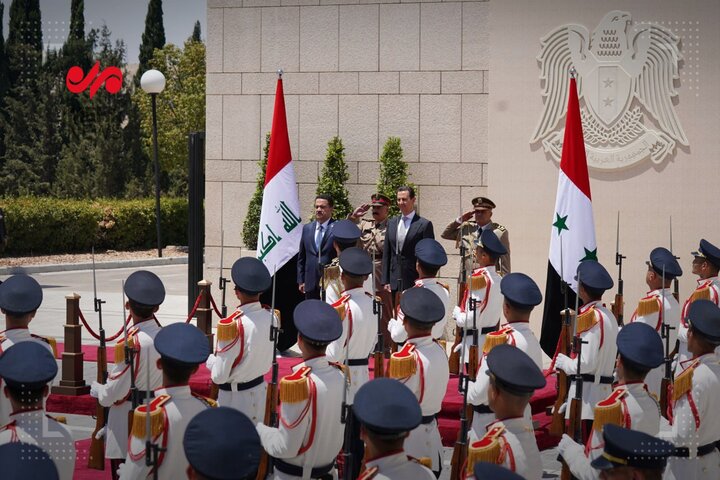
point(96, 335)
point(195, 307)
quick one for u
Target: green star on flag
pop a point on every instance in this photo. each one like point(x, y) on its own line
point(560, 223)
point(589, 255)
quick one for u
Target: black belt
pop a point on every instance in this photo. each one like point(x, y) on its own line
point(591, 378)
point(702, 450)
point(239, 387)
point(482, 409)
point(357, 362)
point(138, 396)
point(428, 419)
point(483, 331)
point(297, 471)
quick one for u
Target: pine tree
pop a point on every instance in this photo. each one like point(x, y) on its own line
point(393, 171)
point(4, 82)
point(196, 32)
point(334, 177)
point(77, 50)
point(153, 37)
point(251, 225)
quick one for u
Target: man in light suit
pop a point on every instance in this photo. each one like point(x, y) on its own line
point(316, 247)
point(402, 234)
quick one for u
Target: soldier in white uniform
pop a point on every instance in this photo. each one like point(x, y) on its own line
point(24, 460)
point(484, 288)
point(244, 352)
point(423, 367)
point(310, 434)
point(510, 440)
point(632, 454)
point(696, 399)
point(431, 257)
point(182, 348)
point(388, 411)
point(597, 326)
point(26, 370)
point(345, 235)
point(660, 307)
point(145, 292)
point(521, 294)
point(630, 405)
point(706, 263)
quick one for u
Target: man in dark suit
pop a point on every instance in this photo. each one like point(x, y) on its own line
point(402, 233)
point(316, 247)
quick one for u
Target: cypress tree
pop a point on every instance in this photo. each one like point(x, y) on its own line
point(196, 32)
point(24, 43)
point(4, 81)
point(251, 225)
point(393, 171)
point(153, 37)
point(334, 177)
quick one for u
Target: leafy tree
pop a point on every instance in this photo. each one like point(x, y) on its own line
point(334, 177)
point(393, 171)
point(196, 32)
point(153, 37)
point(251, 225)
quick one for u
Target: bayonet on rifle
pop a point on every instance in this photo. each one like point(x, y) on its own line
point(676, 282)
point(618, 304)
point(96, 454)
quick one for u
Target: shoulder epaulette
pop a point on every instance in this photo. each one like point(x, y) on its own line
point(340, 305)
point(683, 382)
point(58, 418)
point(157, 418)
point(587, 320)
point(49, 340)
point(701, 294)
point(227, 330)
point(610, 410)
point(277, 312)
point(648, 306)
point(478, 281)
point(424, 461)
point(403, 363)
point(294, 388)
point(332, 272)
point(444, 285)
point(486, 449)
point(120, 348)
point(493, 339)
point(368, 473)
point(206, 400)
point(497, 226)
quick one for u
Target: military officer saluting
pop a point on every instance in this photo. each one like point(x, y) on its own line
point(510, 440)
point(660, 307)
point(630, 405)
point(388, 411)
point(632, 454)
point(182, 348)
point(346, 234)
point(466, 230)
point(244, 350)
point(310, 434)
point(423, 367)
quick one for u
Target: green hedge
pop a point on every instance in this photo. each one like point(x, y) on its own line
point(38, 225)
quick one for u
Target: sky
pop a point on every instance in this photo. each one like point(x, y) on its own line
point(124, 18)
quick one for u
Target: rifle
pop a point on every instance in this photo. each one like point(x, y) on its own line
point(557, 426)
point(96, 454)
point(617, 306)
point(152, 450)
point(665, 334)
point(222, 282)
point(130, 361)
point(346, 416)
point(454, 360)
point(676, 282)
point(271, 399)
point(459, 456)
point(378, 354)
point(473, 354)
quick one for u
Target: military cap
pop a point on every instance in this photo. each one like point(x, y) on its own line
point(661, 259)
point(251, 275)
point(514, 371)
point(379, 200)
point(708, 251)
point(593, 275)
point(20, 294)
point(28, 364)
point(422, 305)
point(486, 470)
point(386, 407)
point(345, 231)
point(430, 252)
point(182, 343)
point(483, 203)
point(631, 448)
point(489, 242)
point(317, 321)
point(145, 288)
point(640, 344)
point(21, 461)
point(520, 289)
point(704, 318)
point(222, 444)
point(356, 261)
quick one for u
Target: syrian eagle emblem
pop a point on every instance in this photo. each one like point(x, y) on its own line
point(626, 73)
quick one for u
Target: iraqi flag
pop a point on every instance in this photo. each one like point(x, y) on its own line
point(280, 224)
point(573, 226)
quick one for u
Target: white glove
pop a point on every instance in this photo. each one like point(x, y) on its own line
point(101, 433)
point(456, 312)
point(458, 347)
point(565, 445)
point(562, 408)
point(565, 363)
point(210, 361)
point(95, 388)
point(120, 469)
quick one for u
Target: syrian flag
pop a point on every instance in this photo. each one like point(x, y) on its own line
point(280, 224)
point(573, 226)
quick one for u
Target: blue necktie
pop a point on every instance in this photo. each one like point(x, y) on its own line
point(318, 237)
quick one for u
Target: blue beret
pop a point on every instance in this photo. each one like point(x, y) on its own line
point(28, 364)
point(514, 370)
point(345, 231)
point(489, 242)
point(145, 288)
point(182, 343)
point(661, 258)
point(20, 294)
point(485, 470)
point(355, 261)
point(317, 321)
point(422, 305)
point(222, 444)
point(640, 344)
point(709, 251)
point(593, 275)
point(386, 406)
point(631, 448)
point(21, 461)
point(251, 275)
point(520, 289)
point(430, 252)
point(704, 318)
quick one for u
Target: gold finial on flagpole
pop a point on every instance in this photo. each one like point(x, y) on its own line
point(573, 72)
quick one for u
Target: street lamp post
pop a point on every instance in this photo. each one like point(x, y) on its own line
point(153, 83)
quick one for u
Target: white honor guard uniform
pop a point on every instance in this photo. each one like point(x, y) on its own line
point(345, 235)
point(396, 327)
point(707, 289)
point(395, 466)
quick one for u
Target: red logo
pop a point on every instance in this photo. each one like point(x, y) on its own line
point(77, 83)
